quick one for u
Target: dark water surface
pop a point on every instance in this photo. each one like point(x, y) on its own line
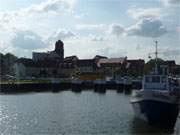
point(70, 113)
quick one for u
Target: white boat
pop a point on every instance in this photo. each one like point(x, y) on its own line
point(157, 102)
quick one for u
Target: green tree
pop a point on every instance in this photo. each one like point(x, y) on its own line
point(151, 64)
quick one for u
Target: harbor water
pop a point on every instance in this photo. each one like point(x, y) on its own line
point(67, 112)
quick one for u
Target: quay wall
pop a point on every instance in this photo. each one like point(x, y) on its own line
point(33, 87)
point(54, 87)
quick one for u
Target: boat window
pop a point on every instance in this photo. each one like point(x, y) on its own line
point(147, 79)
point(163, 79)
point(155, 79)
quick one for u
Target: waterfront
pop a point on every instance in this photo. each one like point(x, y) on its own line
point(67, 112)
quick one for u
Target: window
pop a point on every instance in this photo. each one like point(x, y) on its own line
point(163, 79)
point(147, 79)
point(155, 79)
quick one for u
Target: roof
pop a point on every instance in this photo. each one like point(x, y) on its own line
point(71, 58)
point(112, 61)
point(136, 62)
point(45, 63)
point(26, 62)
point(100, 57)
point(170, 62)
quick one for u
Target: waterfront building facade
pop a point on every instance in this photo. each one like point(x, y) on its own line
point(52, 64)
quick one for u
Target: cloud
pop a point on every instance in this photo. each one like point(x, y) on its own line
point(178, 29)
point(51, 5)
point(91, 26)
point(97, 39)
point(3, 46)
point(147, 28)
point(140, 13)
point(170, 52)
point(1, 27)
point(116, 29)
point(55, 6)
point(171, 2)
point(112, 52)
point(138, 47)
point(5, 17)
point(27, 40)
point(61, 34)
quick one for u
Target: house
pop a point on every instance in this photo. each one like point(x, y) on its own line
point(111, 62)
point(112, 66)
point(135, 67)
point(72, 59)
point(171, 66)
point(98, 57)
point(86, 65)
point(24, 68)
point(27, 68)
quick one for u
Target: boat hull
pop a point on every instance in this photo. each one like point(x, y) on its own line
point(157, 113)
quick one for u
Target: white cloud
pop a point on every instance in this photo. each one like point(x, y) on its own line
point(147, 28)
point(178, 29)
point(3, 46)
point(90, 27)
point(96, 39)
point(112, 52)
point(51, 5)
point(171, 52)
point(140, 13)
point(27, 40)
point(171, 2)
point(55, 6)
point(116, 29)
point(61, 35)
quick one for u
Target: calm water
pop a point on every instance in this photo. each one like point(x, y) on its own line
point(70, 113)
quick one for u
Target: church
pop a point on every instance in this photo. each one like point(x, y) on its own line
point(57, 54)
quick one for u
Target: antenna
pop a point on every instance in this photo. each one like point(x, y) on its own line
point(156, 53)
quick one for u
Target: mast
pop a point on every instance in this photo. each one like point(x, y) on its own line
point(156, 53)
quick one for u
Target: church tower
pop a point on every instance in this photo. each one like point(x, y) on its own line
point(59, 49)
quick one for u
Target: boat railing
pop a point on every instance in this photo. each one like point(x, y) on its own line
point(160, 86)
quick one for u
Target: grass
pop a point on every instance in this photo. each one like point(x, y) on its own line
point(24, 81)
point(32, 81)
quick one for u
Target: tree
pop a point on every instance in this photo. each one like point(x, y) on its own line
point(151, 64)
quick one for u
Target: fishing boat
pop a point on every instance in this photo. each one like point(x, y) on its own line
point(157, 102)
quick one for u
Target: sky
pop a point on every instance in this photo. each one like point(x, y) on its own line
point(114, 28)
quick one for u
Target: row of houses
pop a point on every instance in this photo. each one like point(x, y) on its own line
point(73, 66)
point(53, 65)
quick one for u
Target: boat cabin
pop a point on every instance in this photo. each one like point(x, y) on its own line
point(155, 82)
point(157, 79)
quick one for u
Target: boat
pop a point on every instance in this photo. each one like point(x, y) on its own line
point(157, 102)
